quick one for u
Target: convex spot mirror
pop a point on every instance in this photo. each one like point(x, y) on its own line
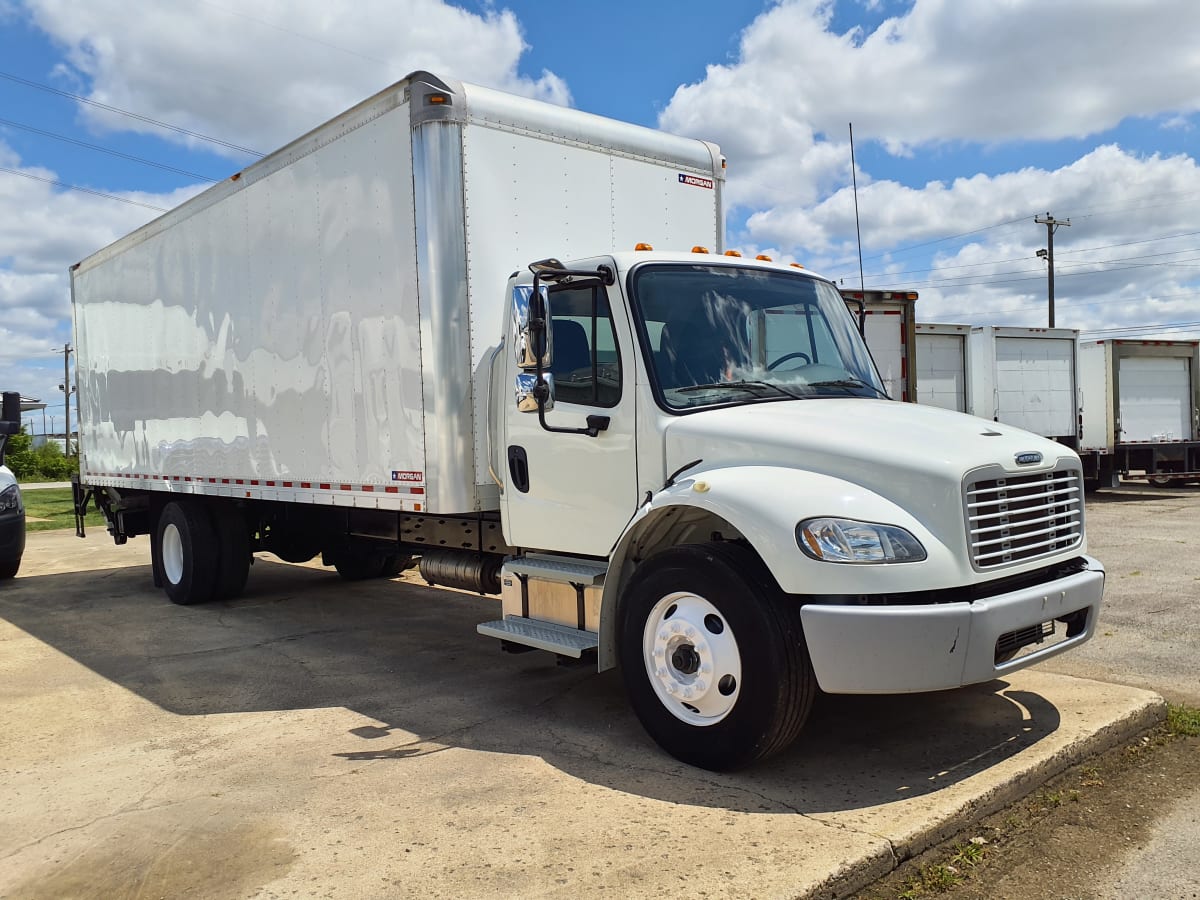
point(526, 391)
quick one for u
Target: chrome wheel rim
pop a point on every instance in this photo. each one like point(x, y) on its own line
point(172, 553)
point(692, 659)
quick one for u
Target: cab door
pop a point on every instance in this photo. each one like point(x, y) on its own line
point(573, 493)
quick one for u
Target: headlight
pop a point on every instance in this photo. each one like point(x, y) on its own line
point(847, 541)
point(10, 498)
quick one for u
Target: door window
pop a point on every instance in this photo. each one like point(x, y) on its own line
point(586, 365)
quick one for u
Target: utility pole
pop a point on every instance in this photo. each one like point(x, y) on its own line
point(67, 390)
point(1051, 224)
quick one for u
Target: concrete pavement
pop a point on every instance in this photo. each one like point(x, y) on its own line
point(320, 738)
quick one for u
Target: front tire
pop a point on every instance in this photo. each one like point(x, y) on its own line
point(9, 569)
point(188, 553)
point(713, 656)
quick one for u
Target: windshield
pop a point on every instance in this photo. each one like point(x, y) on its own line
point(723, 334)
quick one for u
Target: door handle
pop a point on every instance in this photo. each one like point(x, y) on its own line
point(518, 468)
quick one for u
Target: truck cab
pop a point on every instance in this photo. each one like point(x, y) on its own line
point(710, 487)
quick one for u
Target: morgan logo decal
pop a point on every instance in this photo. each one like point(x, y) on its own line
point(408, 477)
point(1029, 458)
point(695, 181)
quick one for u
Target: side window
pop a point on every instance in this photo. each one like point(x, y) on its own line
point(586, 365)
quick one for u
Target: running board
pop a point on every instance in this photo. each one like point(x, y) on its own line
point(551, 568)
point(558, 639)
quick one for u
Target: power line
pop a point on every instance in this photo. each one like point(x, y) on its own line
point(132, 115)
point(75, 187)
point(138, 159)
point(997, 262)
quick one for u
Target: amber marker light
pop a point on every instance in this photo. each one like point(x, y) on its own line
point(733, 253)
point(699, 249)
point(796, 265)
point(643, 247)
point(764, 257)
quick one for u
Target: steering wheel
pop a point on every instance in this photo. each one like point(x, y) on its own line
point(787, 356)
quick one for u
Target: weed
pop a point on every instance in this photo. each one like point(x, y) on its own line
point(1052, 799)
point(968, 855)
point(1183, 721)
point(936, 879)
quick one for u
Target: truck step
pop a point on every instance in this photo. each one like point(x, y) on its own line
point(553, 568)
point(542, 635)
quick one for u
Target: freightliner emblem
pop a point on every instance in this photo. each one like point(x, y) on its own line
point(1028, 458)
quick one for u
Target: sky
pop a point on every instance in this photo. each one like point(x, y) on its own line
point(970, 119)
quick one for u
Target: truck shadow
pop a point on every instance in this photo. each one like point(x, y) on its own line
point(407, 658)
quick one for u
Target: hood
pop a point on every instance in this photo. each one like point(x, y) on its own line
point(914, 455)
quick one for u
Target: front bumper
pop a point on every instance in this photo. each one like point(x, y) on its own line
point(933, 647)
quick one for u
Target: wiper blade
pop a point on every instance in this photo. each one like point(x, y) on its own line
point(850, 383)
point(750, 386)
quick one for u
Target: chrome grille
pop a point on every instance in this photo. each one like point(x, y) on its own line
point(1014, 518)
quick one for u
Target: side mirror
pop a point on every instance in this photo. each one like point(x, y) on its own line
point(530, 334)
point(527, 387)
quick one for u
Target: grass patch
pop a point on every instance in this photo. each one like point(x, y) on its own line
point(57, 507)
point(1183, 720)
point(942, 877)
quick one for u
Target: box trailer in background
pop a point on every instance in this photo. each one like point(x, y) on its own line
point(1141, 400)
point(942, 372)
point(887, 326)
point(1026, 377)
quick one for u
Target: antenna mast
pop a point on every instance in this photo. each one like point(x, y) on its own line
point(857, 228)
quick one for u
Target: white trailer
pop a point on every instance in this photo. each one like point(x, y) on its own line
point(942, 371)
point(1140, 409)
point(1026, 377)
point(365, 347)
point(887, 320)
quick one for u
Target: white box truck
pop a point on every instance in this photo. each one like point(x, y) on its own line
point(887, 322)
point(1026, 377)
point(674, 461)
point(1141, 402)
point(943, 376)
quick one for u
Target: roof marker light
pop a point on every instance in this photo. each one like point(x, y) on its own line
point(764, 257)
point(796, 265)
point(733, 253)
point(643, 246)
point(699, 249)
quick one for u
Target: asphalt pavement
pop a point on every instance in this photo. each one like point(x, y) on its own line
point(317, 737)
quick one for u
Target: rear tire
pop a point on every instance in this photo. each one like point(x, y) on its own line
point(713, 656)
point(9, 569)
point(233, 538)
point(188, 552)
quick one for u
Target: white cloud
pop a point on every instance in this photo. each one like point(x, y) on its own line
point(947, 74)
point(944, 71)
point(260, 78)
point(256, 78)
